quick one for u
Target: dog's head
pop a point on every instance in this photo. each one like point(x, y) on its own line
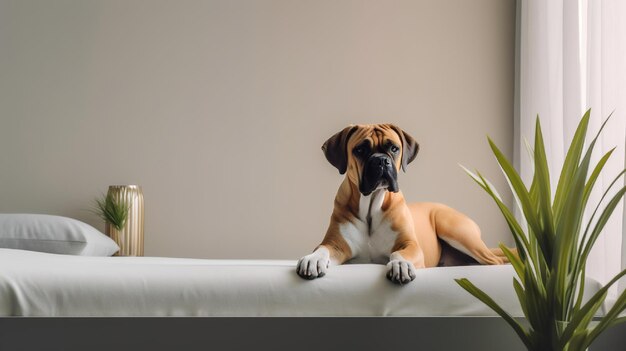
point(371, 154)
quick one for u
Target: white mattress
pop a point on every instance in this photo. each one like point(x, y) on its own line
point(41, 284)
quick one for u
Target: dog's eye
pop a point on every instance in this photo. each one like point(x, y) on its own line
point(394, 149)
point(359, 150)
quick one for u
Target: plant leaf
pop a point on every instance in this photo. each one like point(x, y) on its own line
point(516, 230)
point(611, 316)
point(567, 231)
point(581, 288)
point(544, 202)
point(602, 220)
point(578, 341)
point(521, 296)
point(517, 264)
point(570, 164)
point(584, 240)
point(112, 211)
point(582, 318)
point(479, 294)
point(518, 188)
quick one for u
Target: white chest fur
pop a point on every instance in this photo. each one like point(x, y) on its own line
point(370, 236)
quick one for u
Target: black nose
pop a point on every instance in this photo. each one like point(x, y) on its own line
point(380, 161)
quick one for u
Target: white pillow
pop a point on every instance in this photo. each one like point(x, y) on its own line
point(53, 234)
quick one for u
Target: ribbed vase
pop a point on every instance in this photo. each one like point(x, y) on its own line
point(130, 238)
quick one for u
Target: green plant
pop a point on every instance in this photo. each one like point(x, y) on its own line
point(552, 254)
point(112, 211)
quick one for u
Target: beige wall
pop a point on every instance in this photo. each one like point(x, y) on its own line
point(219, 108)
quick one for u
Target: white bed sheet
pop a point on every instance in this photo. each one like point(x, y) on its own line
point(42, 284)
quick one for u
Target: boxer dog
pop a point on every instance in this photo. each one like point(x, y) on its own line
point(371, 222)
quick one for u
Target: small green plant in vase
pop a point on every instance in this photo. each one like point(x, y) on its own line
point(554, 246)
point(114, 212)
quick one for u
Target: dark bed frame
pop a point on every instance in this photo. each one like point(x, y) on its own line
point(299, 334)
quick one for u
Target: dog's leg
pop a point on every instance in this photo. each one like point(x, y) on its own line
point(498, 252)
point(314, 265)
point(462, 233)
point(406, 254)
point(406, 257)
point(333, 250)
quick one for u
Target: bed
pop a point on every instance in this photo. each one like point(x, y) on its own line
point(37, 284)
point(74, 296)
point(205, 301)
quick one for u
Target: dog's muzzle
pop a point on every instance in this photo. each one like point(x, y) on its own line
point(378, 172)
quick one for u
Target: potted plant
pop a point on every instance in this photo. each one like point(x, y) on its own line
point(553, 250)
point(114, 212)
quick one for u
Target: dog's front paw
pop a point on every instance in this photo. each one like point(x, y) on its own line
point(400, 271)
point(314, 265)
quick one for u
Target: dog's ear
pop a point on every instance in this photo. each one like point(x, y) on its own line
point(335, 149)
point(410, 147)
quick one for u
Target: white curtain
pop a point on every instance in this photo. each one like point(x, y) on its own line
point(572, 56)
